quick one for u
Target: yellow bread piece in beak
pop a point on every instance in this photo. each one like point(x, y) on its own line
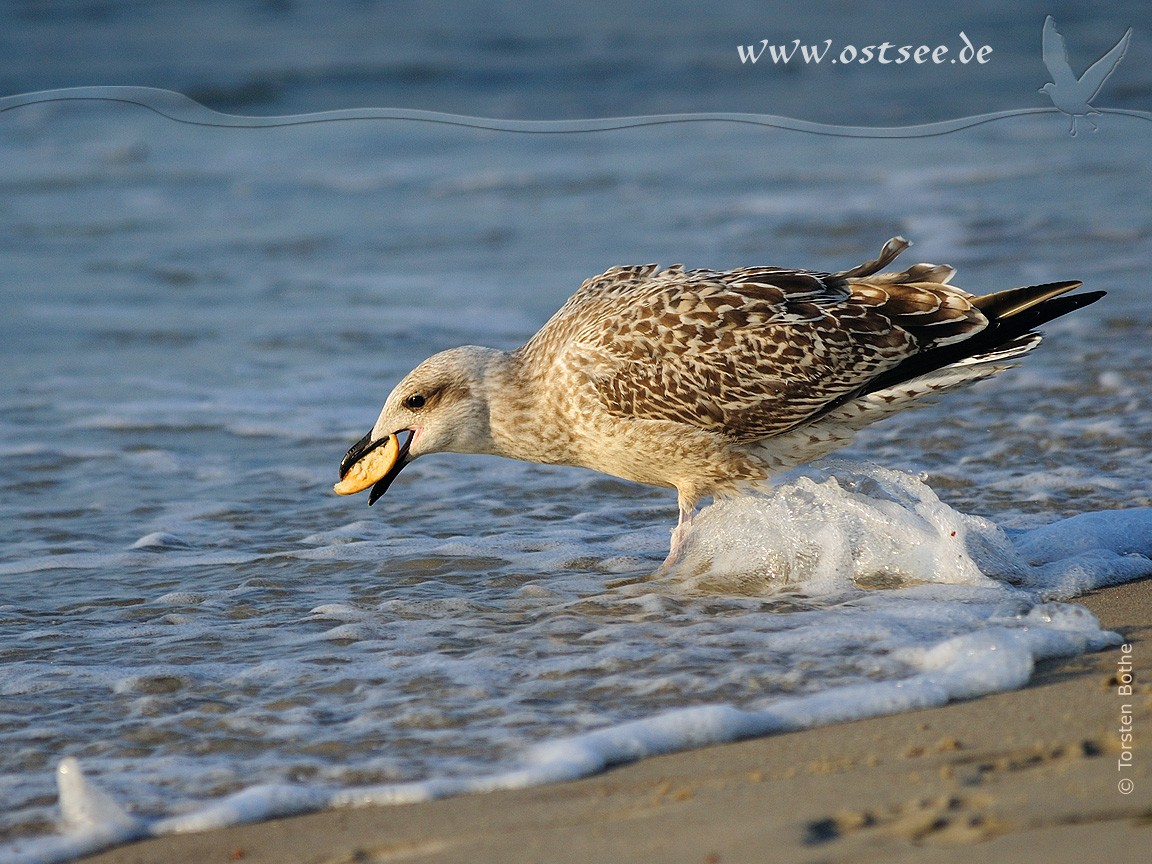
point(369, 469)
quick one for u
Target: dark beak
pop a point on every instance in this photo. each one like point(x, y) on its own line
point(365, 446)
point(359, 450)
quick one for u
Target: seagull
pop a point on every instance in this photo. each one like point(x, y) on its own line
point(1070, 94)
point(707, 381)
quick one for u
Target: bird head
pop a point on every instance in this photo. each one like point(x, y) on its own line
point(440, 406)
point(1048, 88)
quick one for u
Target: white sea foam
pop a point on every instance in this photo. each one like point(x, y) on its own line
point(964, 667)
point(899, 568)
point(841, 526)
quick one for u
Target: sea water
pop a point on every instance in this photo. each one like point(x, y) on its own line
point(198, 323)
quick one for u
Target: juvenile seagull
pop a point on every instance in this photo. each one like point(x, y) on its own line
point(1070, 94)
point(707, 381)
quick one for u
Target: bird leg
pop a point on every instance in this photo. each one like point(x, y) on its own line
point(679, 535)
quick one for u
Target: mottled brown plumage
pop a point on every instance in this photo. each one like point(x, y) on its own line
point(710, 381)
point(752, 352)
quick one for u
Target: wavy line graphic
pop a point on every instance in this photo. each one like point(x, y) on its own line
point(181, 109)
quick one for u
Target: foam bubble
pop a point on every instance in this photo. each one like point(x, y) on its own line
point(159, 541)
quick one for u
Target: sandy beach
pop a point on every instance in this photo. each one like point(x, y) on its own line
point(1031, 775)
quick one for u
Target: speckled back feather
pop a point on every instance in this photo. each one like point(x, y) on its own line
point(754, 351)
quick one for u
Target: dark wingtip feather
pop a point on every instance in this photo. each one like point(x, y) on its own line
point(1005, 304)
point(1000, 333)
point(1048, 310)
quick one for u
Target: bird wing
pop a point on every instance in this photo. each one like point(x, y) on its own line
point(1094, 77)
point(1056, 55)
point(752, 352)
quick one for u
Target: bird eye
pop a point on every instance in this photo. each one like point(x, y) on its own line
point(414, 402)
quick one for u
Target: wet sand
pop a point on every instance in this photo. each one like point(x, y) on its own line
point(1031, 775)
